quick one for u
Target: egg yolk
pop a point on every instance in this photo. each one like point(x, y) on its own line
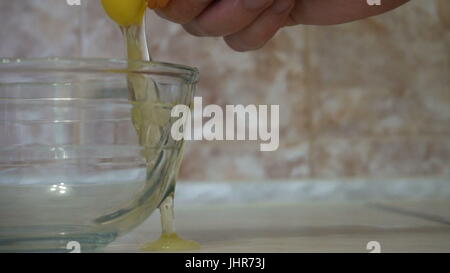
point(130, 12)
point(125, 13)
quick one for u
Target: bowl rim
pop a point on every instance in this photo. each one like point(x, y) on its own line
point(99, 65)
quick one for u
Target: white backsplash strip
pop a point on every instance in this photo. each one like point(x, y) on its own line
point(201, 193)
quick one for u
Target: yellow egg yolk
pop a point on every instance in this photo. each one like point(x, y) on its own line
point(130, 12)
point(125, 13)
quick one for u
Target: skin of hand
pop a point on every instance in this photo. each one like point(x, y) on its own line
point(248, 24)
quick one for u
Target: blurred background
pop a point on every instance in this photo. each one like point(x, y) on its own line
point(361, 104)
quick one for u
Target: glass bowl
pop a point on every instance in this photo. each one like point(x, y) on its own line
point(82, 158)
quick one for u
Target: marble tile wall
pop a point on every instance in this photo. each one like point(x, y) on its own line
point(364, 99)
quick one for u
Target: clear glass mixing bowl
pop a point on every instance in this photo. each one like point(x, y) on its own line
point(82, 159)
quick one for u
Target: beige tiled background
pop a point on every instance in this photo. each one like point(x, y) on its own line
point(364, 99)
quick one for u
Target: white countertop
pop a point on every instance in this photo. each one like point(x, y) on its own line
point(419, 226)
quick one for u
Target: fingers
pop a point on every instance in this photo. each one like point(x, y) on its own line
point(179, 11)
point(331, 12)
point(263, 29)
point(225, 17)
point(244, 24)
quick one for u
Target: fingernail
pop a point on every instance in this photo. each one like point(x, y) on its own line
point(282, 5)
point(256, 4)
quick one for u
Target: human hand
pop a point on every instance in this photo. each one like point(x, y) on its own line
point(249, 24)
